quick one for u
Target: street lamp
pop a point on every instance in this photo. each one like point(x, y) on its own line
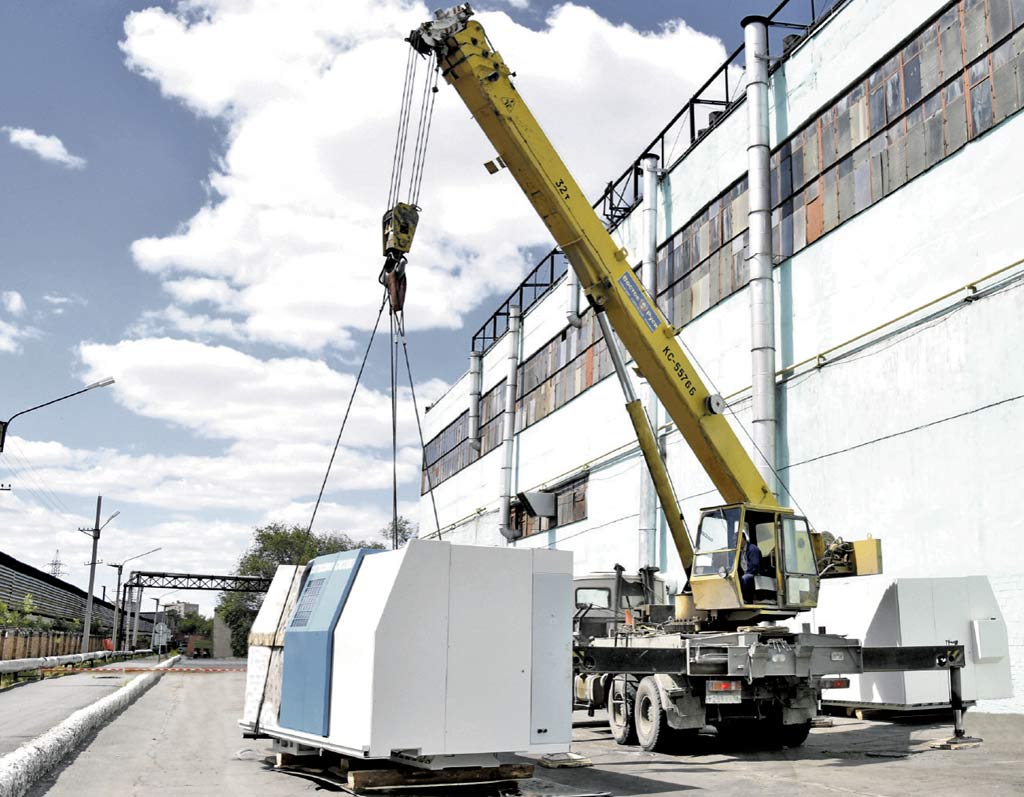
point(117, 592)
point(93, 386)
point(94, 532)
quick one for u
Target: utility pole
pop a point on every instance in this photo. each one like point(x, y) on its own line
point(118, 604)
point(156, 618)
point(119, 610)
point(94, 532)
point(87, 627)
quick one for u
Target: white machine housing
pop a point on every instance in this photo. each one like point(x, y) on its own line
point(921, 611)
point(440, 651)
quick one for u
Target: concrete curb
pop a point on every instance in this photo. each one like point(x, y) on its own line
point(20, 769)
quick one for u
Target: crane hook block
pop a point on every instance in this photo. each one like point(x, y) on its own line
point(399, 227)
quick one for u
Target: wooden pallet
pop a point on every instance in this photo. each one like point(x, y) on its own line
point(358, 776)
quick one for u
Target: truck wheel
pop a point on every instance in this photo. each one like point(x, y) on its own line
point(794, 735)
point(652, 728)
point(621, 699)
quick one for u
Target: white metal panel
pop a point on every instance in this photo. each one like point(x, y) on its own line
point(991, 661)
point(931, 612)
point(489, 649)
point(354, 651)
point(551, 687)
point(411, 652)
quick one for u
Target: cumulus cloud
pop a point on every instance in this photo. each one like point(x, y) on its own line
point(13, 302)
point(13, 333)
point(49, 148)
point(289, 243)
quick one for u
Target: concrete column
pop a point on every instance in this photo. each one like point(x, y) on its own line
point(759, 252)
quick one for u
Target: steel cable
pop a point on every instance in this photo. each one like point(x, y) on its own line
point(348, 409)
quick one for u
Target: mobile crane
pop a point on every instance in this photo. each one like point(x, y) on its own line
point(706, 662)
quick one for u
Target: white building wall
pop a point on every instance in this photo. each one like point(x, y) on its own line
point(938, 497)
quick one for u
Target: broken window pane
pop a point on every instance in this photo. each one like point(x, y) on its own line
point(929, 59)
point(915, 143)
point(912, 81)
point(975, 39)
point(893, 98)
point(896, 145)
point(981, 107)
point(811, 151)
point(999, 21)
point(858, 116)
point(1004, 82)
point(843, 127)
point(956, 116)
point(879, 164)
point(861, 179)
point(828, 138)
point(846, 188)
point(949, 41)
point(830, 200)
point(933, 148)
point(877, 109)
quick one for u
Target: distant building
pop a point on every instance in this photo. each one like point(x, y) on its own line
point(182, 608)
point(897, 149)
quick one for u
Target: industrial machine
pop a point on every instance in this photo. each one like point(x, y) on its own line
point(665, 670)
point(435, 655)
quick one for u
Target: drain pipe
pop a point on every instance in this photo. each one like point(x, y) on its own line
point(509, 425)
point(648, 528)
point(572, 283)
point(475, 384)
point(759, 252)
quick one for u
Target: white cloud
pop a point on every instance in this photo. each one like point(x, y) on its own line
point(13, 302)
point(289, 244)
point(49, 148)
point(13, 334)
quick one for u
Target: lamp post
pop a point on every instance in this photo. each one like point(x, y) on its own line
point(87, 388)
point(118, 601)
point(94, 532)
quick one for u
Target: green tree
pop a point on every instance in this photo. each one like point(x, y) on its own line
point(195, 623)
point(406, 531)
point(273, 545)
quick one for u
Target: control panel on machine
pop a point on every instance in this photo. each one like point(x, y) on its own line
point(309, 641)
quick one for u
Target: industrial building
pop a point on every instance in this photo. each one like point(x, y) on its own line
point(897, 308)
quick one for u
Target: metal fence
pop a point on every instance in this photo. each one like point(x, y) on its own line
point(21, 643)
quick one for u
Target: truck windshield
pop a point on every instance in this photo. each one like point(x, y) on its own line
point(716, 541)
point(598, 597)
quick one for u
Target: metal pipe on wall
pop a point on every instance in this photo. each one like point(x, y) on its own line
point(475, 384)
point(509, 425)
point(759, 250)
point(572, 285)
point(648, 525)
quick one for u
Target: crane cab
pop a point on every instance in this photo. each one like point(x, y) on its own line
point(754, 562)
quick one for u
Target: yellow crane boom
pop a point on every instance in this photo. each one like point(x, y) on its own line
point(469, 63)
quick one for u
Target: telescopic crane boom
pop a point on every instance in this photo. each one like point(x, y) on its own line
point(788, 576)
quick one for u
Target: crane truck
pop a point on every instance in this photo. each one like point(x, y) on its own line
point(718, 655)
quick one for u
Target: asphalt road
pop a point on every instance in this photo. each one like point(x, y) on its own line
point(181, 738)
point(33, 708)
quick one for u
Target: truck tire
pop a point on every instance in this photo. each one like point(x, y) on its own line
point(794, 735)
point(621, 699)
point(652, 728)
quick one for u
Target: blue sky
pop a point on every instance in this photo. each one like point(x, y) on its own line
point(202, 227)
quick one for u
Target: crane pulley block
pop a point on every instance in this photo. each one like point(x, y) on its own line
point(399, 227)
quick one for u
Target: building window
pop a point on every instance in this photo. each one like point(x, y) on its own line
point(570, 506)
point(955, 78)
